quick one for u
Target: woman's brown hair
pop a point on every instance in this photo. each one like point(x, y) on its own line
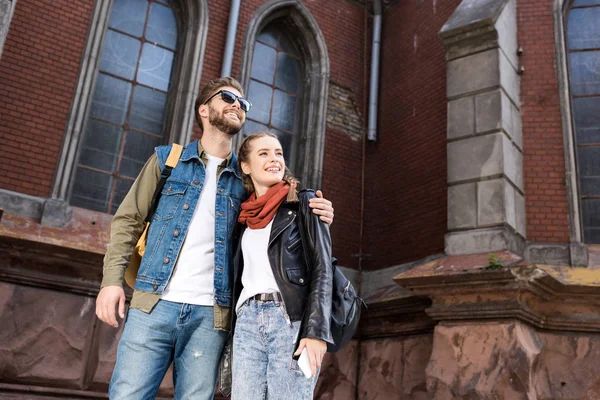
point(244, 155)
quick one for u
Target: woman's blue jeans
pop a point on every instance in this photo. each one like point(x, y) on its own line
point(263, 345)
point(182, 334)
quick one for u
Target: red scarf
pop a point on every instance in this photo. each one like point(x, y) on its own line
point(258, 212)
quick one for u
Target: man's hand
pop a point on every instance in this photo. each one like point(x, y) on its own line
point(316, 349)
point(322, 207)
point(107, 301)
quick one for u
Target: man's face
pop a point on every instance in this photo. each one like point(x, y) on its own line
point(228, 118)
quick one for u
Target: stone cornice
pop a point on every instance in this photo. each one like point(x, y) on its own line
point(49, 266)
point(547, 297)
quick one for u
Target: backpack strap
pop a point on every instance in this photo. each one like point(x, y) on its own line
point(172, 160)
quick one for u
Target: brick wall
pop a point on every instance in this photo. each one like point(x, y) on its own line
point(38, 73)
point(343, 26)
point(406, 179)
point(543, 161)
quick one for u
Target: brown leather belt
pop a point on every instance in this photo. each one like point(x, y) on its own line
point(276, 297)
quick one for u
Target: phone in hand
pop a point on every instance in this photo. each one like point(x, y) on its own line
point(304, 364)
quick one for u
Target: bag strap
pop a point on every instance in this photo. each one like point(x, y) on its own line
point(172, 160)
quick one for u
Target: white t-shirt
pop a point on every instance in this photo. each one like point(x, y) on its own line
point(257, 276)
point(192, 280)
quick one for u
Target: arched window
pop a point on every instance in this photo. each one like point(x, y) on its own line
point(285, 69)
point(583, 42)
point(275, 88)
point(139, 76)
point(129, 102)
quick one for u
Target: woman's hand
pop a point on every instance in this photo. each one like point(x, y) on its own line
point(322, 207)
point(316, 349)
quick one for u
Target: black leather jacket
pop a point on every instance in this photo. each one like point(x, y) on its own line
point(306, 290)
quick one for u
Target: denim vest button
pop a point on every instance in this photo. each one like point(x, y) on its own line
point(176, 233)
point(155, 287)
point(195, 181)
point(166, 260)
point(186, 206)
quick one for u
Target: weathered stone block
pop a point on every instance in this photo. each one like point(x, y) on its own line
point(473, 73)
point(488, 108)
point(513, 163)
point(461, 117)
point(44, 336)
point(483, 361)
point(484, 240)
point(462, 206)
point(568, 367)
point(476, 157)
point(520, 216)
point(491, 202)
point(509, 79)
point(394, 368)
point(56, 213)
point(21, 204)
point(506, 26)
point(493, 111)
point(337, 379)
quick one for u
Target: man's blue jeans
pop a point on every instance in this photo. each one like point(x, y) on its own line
point(263, 345)
point(172, 332)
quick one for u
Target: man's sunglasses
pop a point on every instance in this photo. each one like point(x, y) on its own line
point(230, 98)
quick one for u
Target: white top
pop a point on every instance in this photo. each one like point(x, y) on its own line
point(257, 276)
point(192, 280)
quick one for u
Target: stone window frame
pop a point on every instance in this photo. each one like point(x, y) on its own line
point(313, 50)
point(5, 21)
point(193, 30)
point(560, 12)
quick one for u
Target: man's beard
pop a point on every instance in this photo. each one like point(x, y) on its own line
point(223, 123)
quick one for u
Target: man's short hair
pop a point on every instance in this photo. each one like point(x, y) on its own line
point(211, 88)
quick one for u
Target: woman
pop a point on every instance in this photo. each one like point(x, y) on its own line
point(282, 305)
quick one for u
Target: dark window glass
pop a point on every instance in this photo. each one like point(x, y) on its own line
point(155, 67)
point(261, 107)
point(586, 112)
point(111, 99)
point(122, 186)
point(91, 189)
point(120, 55)
point(284, 112)
point(129, 16)
point(148, 110)
point(263, 63)
point(135, 152)
point(250, 127)
point(101, 145)
point(275, 88)
point(286, 140)
point(586, 3)
point(162, 26)
point(269, 35)
point(583, 33)
point(129, 102)
point(585, 73)
point(288, 73)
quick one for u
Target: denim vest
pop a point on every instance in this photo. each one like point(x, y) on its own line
point(171, 221)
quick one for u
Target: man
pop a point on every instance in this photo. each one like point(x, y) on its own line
point(181, 306)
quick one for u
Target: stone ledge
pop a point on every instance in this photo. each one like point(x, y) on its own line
point(47, 266)
point(401, 316)
point(471, 15)
point(491, 239)
point(468, 288)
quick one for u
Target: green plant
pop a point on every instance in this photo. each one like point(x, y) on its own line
point(494, 263)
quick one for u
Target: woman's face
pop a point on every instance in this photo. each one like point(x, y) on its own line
point(265, 165)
